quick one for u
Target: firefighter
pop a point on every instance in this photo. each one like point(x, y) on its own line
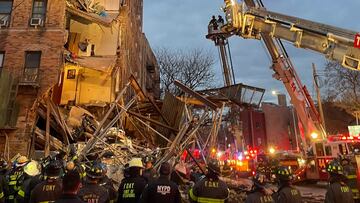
point(92, 191)
point(226, 169)
point(75, 165)
point(31, 170)
point(210, 188)
point(71, 187)
point(3, 168)
point(3, 172)
point(149, 171)
point(350, 174)
point(13, 180)
point(50, 189)
point(286, 192)
point(258, 193)
point(106, 182)
point(162, 190)
point(131, 187)
point(338, 191)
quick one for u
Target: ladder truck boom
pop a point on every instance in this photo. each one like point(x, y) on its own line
point(251, 21)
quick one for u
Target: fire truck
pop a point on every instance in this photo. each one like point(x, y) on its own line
point(250, 20)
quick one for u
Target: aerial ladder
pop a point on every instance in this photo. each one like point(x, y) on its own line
point(251, 20)
point(221, 41)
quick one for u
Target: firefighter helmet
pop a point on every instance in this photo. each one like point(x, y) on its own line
point(3, 164)
point(259, 180)
point(21, 161)
point(53, 169)
point(334, 167)
point(283, 173)
point(136, 162)
point(32, 168)
point(95, 171)
point(148, 159)
point(213, 165)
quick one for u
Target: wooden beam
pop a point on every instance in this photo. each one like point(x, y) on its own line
point(152, 121)
point(196, 95)
point(47, 132)
point(135, 85)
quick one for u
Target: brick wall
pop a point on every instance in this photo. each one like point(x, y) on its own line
point(135, 51)
point(18, 38)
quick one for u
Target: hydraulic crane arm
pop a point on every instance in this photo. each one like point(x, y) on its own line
point(249, 21)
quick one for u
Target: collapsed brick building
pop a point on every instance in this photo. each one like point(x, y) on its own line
point(55, 44)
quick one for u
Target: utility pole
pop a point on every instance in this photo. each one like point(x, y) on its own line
point(316, 85)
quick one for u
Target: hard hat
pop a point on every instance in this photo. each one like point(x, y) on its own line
point(213, 165)
point(3, 164)
point(53, 169)
point(32, 168)
point(345, 161)
point(283, 173)
point(148, 159)
point(334, 167)
point(21, 161)
point(136, 162)
point(259, 180)
point(95, 171)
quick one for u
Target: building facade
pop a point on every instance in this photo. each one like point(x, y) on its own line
point(85, 53)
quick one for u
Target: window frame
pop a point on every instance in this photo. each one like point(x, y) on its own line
point(9, 14)
point(26, 57)
point(3, 59)
point(43, 18)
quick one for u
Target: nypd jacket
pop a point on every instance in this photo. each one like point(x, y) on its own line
point(161, 190)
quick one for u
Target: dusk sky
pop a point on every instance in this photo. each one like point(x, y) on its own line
point(183, 24)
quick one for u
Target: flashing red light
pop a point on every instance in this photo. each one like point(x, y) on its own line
point(255, 151)
point(327, 160)
point(253, 173)
point(358, 138)
point(350, 138)
point(247, 157)
point(251, 151)
point(343, 138)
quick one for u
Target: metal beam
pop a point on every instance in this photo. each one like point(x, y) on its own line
point(196, 95)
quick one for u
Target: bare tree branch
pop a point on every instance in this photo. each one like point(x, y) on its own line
point(342, 86)
point(191, 67)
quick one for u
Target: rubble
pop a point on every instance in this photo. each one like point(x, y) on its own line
point(136, 127)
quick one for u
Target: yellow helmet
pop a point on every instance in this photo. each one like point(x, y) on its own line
point(136, 162)
point(32, 168)
point(21, 161)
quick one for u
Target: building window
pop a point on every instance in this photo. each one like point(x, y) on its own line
point(5, 12)
point(2, 57)
point(38, 13)
point(32, 64)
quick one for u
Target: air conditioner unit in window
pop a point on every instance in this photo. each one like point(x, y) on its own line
point(4, 23)
point(36, 22)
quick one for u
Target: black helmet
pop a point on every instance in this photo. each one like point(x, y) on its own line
point(95, 171)
point(259, 180)
point(148, 159)
point(334, 167)
point(345, 161)
point(3, 164)
point(213, 165)
point(283, 173)
point(53, 169)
